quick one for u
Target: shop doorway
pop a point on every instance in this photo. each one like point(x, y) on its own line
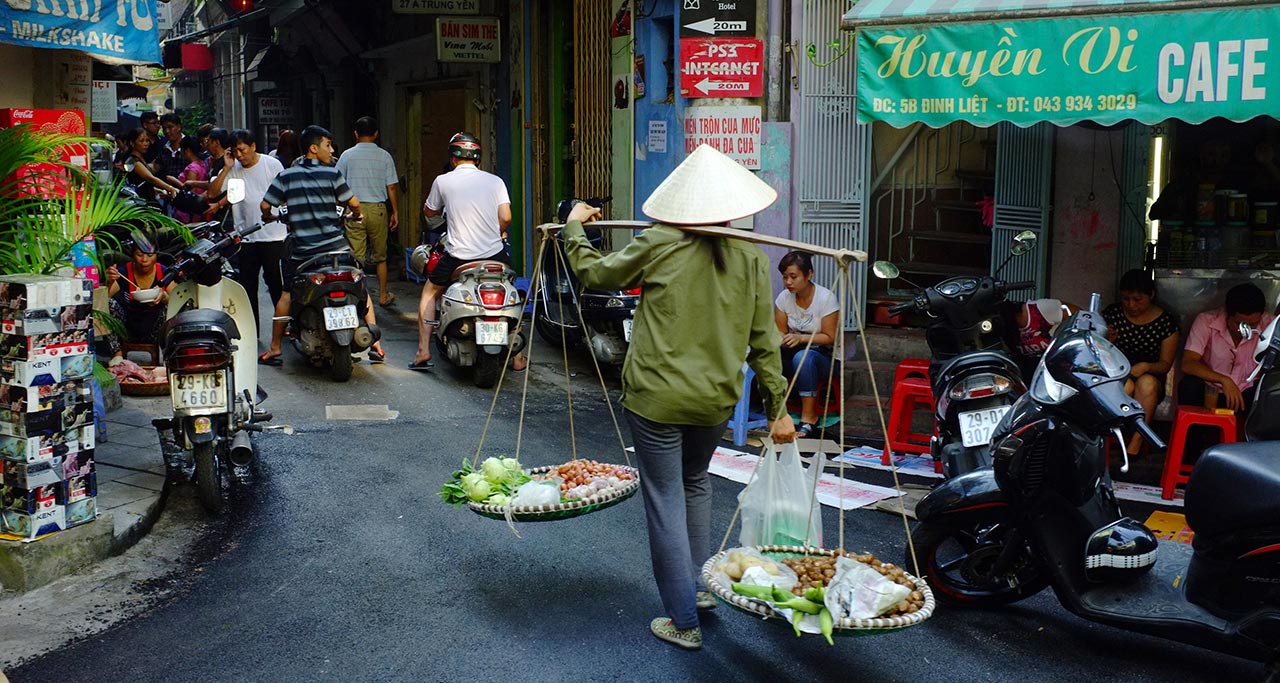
point(435, 112)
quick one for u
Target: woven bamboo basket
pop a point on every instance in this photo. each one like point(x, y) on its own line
point(573, 508)
point(849, 627)
point(144, 388)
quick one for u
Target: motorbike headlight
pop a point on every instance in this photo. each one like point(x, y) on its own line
point(1045, 389)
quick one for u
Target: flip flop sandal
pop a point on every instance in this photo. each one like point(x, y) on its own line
point(376, 357)
point(273, 361)
point(391, 301)
point(422, 367)
point(804, 429)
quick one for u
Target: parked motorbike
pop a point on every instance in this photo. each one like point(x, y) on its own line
point(328, 307)
point(1049, 503)
point(974, 379)
point(568, 312)
point(210, 344)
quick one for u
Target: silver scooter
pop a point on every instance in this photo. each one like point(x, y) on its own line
point(479, 319)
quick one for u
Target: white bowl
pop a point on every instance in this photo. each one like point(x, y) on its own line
point(147, 296)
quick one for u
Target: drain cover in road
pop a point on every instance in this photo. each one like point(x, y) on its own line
point(364, 413)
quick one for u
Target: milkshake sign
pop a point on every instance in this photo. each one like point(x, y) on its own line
point(1065, 70)
point(115, 31)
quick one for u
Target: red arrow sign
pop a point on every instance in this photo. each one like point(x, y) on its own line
point(721, 67)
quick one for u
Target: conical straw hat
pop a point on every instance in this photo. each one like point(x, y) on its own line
point(708, 188)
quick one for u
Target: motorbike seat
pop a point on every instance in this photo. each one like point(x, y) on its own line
point(490, 266)
point(944, 370)
point(201, 320)
point(1234, 486)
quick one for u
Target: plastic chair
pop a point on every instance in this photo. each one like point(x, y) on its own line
point(909, 395)
point(743, 419)
point(1175, 470)
point(911, 367)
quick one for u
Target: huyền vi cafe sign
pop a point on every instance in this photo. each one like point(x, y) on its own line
point(1145, 66)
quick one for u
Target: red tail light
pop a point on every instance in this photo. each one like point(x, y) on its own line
point(334, 276)
point(337, 294)
point(635, 291)
point(202, 358)
point(493, 297)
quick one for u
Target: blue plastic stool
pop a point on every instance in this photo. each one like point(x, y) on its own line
point(743, 419)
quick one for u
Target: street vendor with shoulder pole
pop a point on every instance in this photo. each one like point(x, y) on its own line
point(707, 303)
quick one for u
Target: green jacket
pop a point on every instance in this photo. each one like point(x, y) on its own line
point(694, 326)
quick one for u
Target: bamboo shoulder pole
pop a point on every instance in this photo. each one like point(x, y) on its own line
point(844, 256)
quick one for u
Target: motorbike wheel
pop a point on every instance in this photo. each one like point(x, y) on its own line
point(958, 560)
point(551, 332)
point(340, 367)
point(208, 477)
point(488, 366)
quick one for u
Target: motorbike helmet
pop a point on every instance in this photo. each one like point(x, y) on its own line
point(418, 259)
point(1123, 549)
point(464, 146)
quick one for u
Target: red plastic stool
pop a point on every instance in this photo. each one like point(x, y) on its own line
point(911, 367)
point(908, 396)
point(1175, 471)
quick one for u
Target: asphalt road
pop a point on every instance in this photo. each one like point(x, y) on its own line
point(341, 564)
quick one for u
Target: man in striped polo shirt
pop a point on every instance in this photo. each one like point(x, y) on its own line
point(371, 173)
point(312, 190)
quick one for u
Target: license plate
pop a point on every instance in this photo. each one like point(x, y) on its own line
point(976, 425)
point(341, 318)
point(491, 333)
point(198, 390)
point(626, 329)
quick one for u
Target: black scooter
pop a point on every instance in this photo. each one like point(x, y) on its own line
point(328, 305)
point(568, 312)
point(974, 379)
point(1046, 514)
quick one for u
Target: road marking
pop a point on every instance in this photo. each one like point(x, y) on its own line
point(364, 413)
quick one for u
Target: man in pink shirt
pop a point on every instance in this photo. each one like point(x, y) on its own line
point(1217, 351)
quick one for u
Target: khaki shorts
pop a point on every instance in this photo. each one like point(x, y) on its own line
point(369, 235)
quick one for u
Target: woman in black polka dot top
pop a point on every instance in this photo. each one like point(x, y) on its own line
point(1148, 336)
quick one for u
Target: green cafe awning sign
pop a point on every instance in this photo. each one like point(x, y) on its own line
point(1146, 66)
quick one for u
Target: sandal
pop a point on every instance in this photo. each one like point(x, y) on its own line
point(705, 600)
point(422, 366)
point(804, 429)
point(687, 638)
point(376, 356)
point(391, 300)
point(274, 361)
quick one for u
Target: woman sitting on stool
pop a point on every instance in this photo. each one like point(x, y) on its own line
point(143, 316)
point(805, 312)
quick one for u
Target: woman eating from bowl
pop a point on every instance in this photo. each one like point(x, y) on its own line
point(137, 300)
point(805, 313)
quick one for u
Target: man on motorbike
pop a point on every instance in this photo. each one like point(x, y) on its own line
point(311, 189)
point(479, 213)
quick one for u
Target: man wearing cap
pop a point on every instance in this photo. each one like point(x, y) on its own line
point(707, 302)
point(371, 173)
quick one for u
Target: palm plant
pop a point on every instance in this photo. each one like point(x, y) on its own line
point(48, 205)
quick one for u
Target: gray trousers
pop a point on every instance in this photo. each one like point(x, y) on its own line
point(673, 462)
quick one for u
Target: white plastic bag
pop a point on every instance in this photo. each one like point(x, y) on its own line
point(537, 492)
point(858, 591)
point(778, 506)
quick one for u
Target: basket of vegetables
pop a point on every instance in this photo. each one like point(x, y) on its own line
point(502, 489)
point(818, 591)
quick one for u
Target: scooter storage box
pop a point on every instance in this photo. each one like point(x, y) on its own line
point(31, 500)
point(81, 511)
point(18, 399)
point(46, 320)
point(29, 475)
point(37, 346)
point(27, 292)
point(30, 526)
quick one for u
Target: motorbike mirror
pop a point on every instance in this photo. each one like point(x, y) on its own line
point(130, 164)
point(235, 190)
point(1248, 332)
point(1023, 242)
point(885, 270)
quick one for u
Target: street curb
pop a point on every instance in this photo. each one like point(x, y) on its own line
point(127, 539)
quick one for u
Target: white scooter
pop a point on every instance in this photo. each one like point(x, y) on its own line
point(479, 318)
point(211, 343)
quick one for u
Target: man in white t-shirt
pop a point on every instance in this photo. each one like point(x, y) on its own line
point(479, 211)
point(263, 249)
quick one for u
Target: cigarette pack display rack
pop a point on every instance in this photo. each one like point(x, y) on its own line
point(48, 481)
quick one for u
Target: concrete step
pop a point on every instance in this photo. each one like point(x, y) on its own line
point(860, 412)
point(889, 343)
point(857, 381)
